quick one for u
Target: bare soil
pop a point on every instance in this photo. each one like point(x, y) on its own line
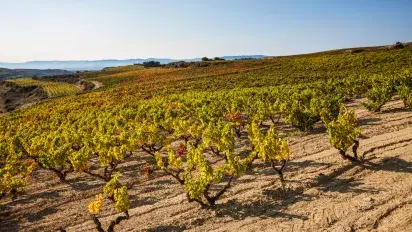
point(97, 84)
point(13, 97)
point(85, 85)
point(323, 192)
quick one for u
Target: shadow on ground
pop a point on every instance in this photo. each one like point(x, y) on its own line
point(368, 121)
point(167, 228)
point(272, 202)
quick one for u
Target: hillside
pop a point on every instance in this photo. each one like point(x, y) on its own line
point(18, 93)
point(135, 80)
point(323, 192)
point(15, 73)
point(13, 97)
point(314, 142)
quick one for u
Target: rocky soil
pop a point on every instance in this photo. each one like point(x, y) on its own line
point(323, 192)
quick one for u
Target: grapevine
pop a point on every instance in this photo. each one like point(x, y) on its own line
point(192, 121)
point(343, 134)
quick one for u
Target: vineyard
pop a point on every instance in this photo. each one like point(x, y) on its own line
point(310, 142)
point(53, 89)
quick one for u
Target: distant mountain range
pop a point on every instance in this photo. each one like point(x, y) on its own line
point(80, 65)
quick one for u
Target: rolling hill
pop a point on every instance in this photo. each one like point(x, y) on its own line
point(15, 73)
point(313, 142)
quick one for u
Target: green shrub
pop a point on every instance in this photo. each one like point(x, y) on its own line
point(343, 133)
point(301, 110)
point(151, 64)
point(404, 89)
point(383, 88)
point(270, 147)
point(399, 45)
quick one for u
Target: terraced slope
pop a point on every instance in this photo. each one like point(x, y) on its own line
point(53, 89)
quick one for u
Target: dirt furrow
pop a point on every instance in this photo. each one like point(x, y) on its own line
point(323, 192)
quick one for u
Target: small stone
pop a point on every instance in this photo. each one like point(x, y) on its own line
point(368, 199)
point(366, 203)
point(197, 222)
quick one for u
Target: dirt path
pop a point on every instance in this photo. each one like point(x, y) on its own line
point(324, 193)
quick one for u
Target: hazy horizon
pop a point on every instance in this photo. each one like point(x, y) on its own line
point(133, 58)
point(46, 30)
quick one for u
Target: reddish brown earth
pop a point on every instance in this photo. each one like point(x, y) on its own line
point(323, 192)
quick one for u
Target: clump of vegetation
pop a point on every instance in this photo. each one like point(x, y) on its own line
point(329, 108)
point(381, 91)
point(178, 64)
point(299, 110)
point(14, 173)
point(119, 196)
point(343, 133)
point(191, 164)
point(398, 45)
point(151, 64)
point(404, 89)
point(210, 59)
point(406, 95)
point(270, 147)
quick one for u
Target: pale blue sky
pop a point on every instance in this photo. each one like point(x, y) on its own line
point(121, 29)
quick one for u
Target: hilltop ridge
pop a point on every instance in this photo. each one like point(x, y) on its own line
point(8, 73)
point(79, 65)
